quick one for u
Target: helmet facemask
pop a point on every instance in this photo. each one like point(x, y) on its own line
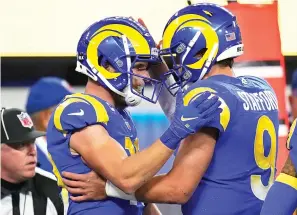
point(150, 88)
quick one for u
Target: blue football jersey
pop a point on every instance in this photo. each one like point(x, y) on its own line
point(76, 112)
point(292, 143)
point(243, 165)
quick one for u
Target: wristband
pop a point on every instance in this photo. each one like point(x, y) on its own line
point(113, 191)
point(170, 139)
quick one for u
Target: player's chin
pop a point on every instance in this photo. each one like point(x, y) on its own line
point(120, 102)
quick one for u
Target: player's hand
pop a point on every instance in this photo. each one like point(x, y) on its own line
point(83, 187)
point(188, 119)
point(140, 20)
point(196, 114)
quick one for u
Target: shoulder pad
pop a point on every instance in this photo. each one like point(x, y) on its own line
point(258, 81)
point(292, 137)
point(78, 111)
point(202, 86)
point(255, 78)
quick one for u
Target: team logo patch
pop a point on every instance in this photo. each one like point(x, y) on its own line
point(25, 120)
point(181, 48)
point(230, 36)
point(119, 63)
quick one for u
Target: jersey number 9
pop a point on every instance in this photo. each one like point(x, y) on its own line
point(265, 163)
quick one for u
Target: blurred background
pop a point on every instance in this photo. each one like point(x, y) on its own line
point(40, 39)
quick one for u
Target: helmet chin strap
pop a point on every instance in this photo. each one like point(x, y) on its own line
point(131, 99)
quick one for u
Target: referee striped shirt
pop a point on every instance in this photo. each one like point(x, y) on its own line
point(39, 195)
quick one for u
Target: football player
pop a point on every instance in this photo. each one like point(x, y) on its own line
point(239, 168)
point(234, 171)
point(282, 196)
point(93, 130)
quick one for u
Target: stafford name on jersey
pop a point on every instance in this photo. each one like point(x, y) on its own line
point(260, 101)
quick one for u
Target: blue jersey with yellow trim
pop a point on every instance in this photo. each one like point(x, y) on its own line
point(292, 143)
point(243, 164)
point(74, 113)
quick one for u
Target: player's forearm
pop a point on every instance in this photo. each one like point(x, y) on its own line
point(139, 168)
point(111, 161)
point(282, 196)
point(161, 190)
point(166, 100)
point(189, 166)
point(172, 188)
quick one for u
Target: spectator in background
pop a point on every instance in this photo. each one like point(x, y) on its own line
point(293, 96)
point(43, 96)
point(25, 189)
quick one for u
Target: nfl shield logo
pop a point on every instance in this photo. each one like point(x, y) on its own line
point(230, 36)
point(25, 120)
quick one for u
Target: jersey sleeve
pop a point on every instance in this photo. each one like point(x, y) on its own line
point(78, 111)
point(292, 143)
point(281, 197)
point(222, 121)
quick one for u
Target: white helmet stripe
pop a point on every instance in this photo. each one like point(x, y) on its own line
point(209, 60)
point(190, 45)
point(127, 52)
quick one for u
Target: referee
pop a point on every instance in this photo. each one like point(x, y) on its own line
point(25, 189)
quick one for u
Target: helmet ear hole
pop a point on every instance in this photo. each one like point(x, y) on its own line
point(200, 53)
point(103, 62)
point(108, 67)
point(100, 60)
